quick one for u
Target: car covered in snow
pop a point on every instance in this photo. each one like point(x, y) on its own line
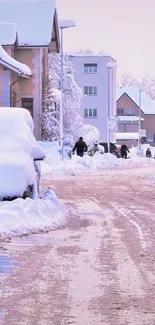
point(19, 155)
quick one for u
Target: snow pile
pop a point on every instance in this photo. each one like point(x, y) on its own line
point(24, 217)
point(77, 165)
point(134, 150)
point(53, 163)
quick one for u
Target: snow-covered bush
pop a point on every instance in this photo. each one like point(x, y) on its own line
point(72, 97)
point(90, 134)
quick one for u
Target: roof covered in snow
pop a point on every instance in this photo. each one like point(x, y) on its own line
point(8, 33)
point(101, 55)
point(147, 104)
point(6, 60)
point(126, 136)
point(87, 54)
point(129, 118)
point(34, 20)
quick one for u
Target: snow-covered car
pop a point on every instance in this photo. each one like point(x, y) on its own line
point(19, 155)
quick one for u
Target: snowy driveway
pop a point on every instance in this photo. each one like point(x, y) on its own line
point(98, 270)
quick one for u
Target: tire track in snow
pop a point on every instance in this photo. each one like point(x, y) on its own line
point(137, 226)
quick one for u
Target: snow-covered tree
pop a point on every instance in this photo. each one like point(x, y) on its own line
point(72, 97)
point(90, 134)
point(147, 83)
point(50, 116)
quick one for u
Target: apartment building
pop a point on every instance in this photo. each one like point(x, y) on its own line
point(99, 88)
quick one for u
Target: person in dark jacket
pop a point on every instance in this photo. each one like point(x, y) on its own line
point(80, 147)
point(148, 153)
point(124, 150)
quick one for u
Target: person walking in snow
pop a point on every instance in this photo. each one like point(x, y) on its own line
point(96, 148)
point(148, 153)
point(124, 151)
point(80, 147)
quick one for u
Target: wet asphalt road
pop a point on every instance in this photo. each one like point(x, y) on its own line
point(97, 270)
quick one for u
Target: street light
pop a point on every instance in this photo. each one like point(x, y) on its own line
point(110, 65)
point(140, 109)
point(63, 24)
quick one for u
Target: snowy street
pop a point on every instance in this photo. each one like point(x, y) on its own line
point(99, 268)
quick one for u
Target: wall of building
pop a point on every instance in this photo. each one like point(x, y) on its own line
point(113, 97)
point(128, 127)
point(99, 80)
point(129, 143)
point(149, 125)
point(32, 87)
point(125, 103)
point(4, 87)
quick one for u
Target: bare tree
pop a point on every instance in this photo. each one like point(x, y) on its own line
point(147, 83)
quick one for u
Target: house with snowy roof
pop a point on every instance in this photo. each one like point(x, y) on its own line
point(130, 101)
point(28, 32)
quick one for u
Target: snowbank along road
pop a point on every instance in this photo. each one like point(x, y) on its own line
point(100, 268)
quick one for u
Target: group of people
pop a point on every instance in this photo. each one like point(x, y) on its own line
point(81, 147)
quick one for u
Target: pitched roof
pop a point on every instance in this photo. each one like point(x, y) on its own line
point(34, 20)
point(8, 33)
point(147, 104)
point(7, 61)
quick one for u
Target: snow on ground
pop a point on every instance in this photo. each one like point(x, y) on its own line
point(24, 217)
point(77, 165)
point(133, 151)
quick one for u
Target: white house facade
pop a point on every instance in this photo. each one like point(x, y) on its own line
point(99, 87)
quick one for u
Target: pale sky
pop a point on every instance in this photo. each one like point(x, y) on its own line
point(125, 29)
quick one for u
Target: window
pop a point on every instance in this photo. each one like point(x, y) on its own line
point(120, 111)
point(90, 112)
point(130, 111)
point(150, 137)
point(28, 104)
point(90, 68)
point(90, 91)
point(94, 112)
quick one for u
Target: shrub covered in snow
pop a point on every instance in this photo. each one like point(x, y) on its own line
point(90, 134)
